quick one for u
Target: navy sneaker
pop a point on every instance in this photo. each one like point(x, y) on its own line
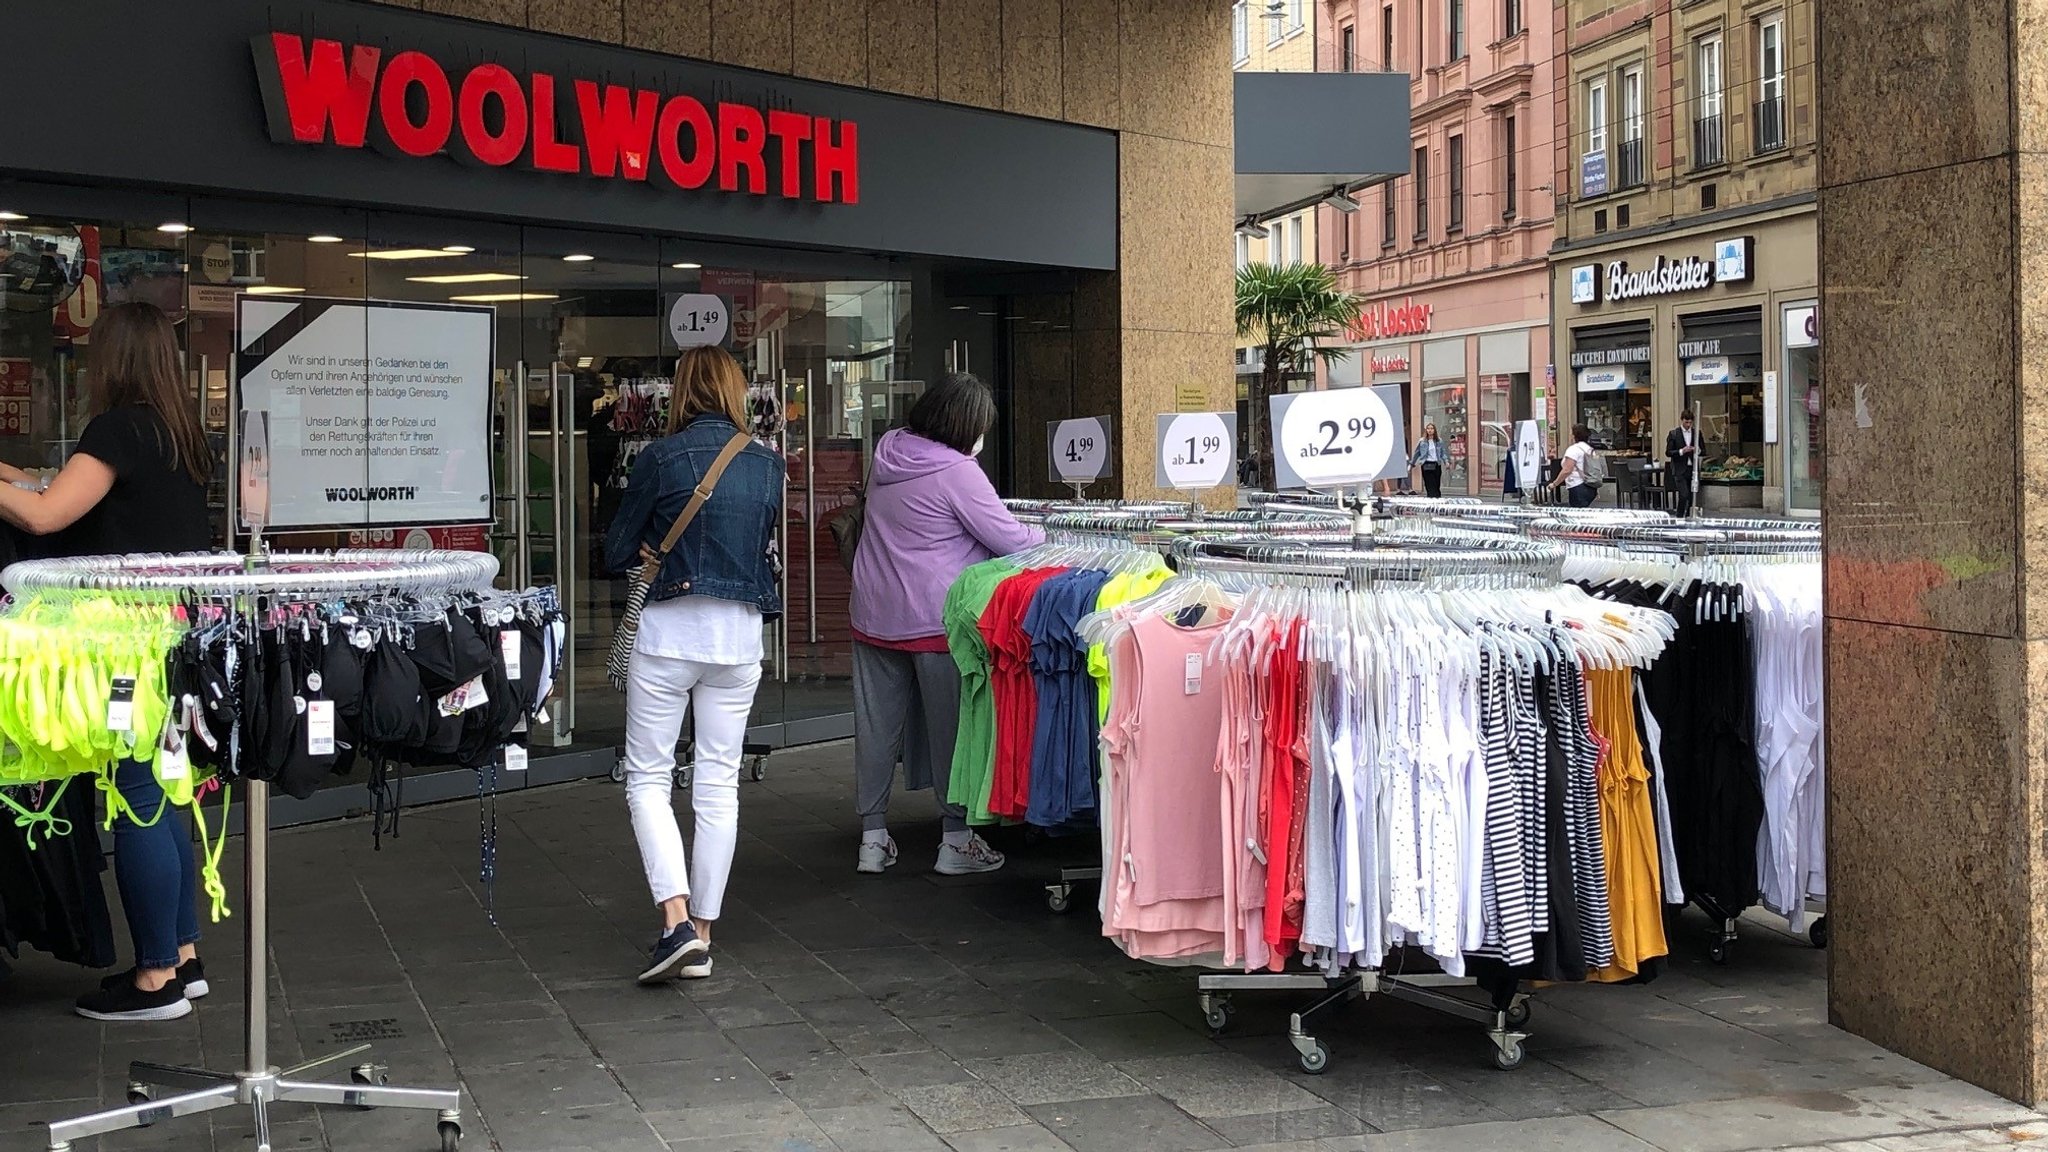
point(678, 948)
point(127, 1002)
point(192, 974)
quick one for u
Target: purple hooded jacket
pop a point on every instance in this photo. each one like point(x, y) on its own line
point(931, 512)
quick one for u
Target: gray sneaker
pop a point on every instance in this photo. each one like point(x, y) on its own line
point(876, 858)
point(975, 856)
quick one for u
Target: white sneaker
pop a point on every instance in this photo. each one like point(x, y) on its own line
point(975, 857)
point(875, 858)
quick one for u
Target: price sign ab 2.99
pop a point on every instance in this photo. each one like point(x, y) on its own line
point(1079, 449)
point(1342, 436)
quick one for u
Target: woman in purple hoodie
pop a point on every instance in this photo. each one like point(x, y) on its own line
point(931, 512)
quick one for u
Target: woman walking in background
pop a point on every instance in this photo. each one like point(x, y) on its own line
point(931, 512)
point(1430, 456)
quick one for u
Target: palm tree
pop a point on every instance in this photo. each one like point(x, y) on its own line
point(1297, 313)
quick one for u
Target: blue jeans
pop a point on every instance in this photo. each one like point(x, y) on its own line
point(154, 868)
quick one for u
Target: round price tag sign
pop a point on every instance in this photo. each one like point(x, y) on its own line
point(697, 319)
point(1196, 449)
point(1080, 450)
point(1342, 436)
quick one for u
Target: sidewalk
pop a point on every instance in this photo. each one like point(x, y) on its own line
point(912, 1013)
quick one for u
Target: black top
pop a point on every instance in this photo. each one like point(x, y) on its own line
point(153, 506)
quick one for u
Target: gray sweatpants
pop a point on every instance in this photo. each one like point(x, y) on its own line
point(888, 688)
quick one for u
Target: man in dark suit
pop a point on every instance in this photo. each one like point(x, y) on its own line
point(1682, 453)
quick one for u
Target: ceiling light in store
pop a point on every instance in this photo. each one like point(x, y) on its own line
point(401, 254)
point(962, 307)
point(501, 297)
point(686, 265)
point(271, 290)
point(324, 238)
point(579, 257)
point(465, 278)
point(12, 216)
point(586, 361)
point(174, 227)
point(458, 249)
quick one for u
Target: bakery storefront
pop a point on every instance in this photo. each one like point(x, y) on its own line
point(589, 210)
point(1719, 321)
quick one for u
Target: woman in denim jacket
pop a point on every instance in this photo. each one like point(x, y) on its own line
point(699, 644)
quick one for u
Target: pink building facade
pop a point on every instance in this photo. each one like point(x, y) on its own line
point(1451, 258)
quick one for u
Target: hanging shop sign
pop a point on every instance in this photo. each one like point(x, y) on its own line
point(1390, 362)
point(1730, 264)
point(378, 412)
point(407, 103)
point(1802, 327)
point(1386, 320)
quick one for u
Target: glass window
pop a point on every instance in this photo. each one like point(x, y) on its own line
point(1294, 240)
point(1389, 208)
point(1801, 425)
point(1511, 18)
point(1511, 147)
point(1240, 38)
point(1454, 18)
point(1387, 37)
point(1244, 250)
point(1347, 49)
point(1421, 194)
point(1708, 147)
point(1596, 115)
point(1443, 404)
point(1634, 169)
point(1294, 15)
point(1497, 397)
point(1276, 242)
point(1455, 220)
point(1770, 70)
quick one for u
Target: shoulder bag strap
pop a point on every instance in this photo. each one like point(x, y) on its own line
point(705, 487)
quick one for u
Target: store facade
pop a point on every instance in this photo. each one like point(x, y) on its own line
point(857, 240)
point(1470, 357)
point(1718, 318)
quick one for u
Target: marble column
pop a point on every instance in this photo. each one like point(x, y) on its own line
point(1933, 229)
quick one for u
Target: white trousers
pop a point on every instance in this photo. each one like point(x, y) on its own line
point(659, 691)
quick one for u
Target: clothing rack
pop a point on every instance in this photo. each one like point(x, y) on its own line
point(259, 1083)
point(1387, 560)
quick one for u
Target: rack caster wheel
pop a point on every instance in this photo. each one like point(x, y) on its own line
point(1518, 1012)
point(138, 1095)
point(758, 770)
point(1217, 1015)
point(619, 770)
point(1059, 899)
point(451, 1135)
point(1508, 1057)
point(370, 1076)
point(1316, 1060)
point(1817, 933)
point(1718, 951)
point(682, 779)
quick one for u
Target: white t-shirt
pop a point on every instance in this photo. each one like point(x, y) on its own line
point(1577, 454)
point(701, 628)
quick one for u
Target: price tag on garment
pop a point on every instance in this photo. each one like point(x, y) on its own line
point(1079, 449)
point(1193, 686)
point(464, 697)
point(1341, 436)
point(172, 762)
point(121, 704)
point(320, 727)
point(1196, 449)
point(508, 645)
point(515, 758)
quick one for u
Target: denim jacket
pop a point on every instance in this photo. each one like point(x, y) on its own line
point(724, 551)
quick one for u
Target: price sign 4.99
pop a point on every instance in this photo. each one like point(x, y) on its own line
point(1342, 436)
point(1079, 449)
point(1196, 449)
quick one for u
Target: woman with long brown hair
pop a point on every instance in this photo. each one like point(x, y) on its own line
point(136, 483)
point(700, 641)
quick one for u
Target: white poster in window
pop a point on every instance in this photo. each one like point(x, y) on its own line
point(379, 411)
point(1770, 407)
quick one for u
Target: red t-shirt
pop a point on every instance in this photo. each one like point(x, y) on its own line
point(1015, 692)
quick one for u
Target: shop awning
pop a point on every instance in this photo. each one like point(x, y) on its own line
point(1302, 134)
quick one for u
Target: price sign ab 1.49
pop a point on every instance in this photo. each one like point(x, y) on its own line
point(1342, 436)
point(1196, 449)
point(1079, 449)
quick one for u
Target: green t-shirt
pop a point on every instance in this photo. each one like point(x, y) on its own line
point(974, 749)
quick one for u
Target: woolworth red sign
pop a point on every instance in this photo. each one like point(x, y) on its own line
point(408, 104)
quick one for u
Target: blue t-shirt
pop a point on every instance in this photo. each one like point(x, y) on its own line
point(1063, 740)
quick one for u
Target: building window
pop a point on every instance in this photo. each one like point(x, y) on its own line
point(1294, 15)
point(1240, 31)
point(1387, 38)
point(1421, 194)
point(1347, 49)
point(1709, 133)
point(1294, 240)
point(1512, 148)
point(1387, 221)
point(1593, 164)
point(1454, 219)
point(1276, 242)
point(1511, 18)
point(1770, 71)
point(1244, 250)
point(1632, 172)
point(1454, 19)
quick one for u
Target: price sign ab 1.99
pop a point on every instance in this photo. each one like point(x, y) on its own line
point(1196, 449)
point(1079, 449)
point(1342, 436)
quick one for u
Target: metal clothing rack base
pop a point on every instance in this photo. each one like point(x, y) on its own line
point(1425, 989)
point(1060, 897)
point(259, 1083)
